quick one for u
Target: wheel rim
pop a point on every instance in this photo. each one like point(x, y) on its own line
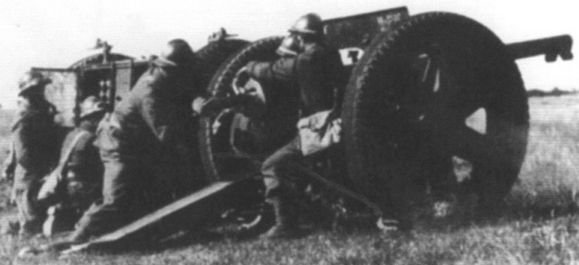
point(407, 107)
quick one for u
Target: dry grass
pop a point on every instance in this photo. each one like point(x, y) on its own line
point(6, 121)
point(549, 178)
point(540, 228)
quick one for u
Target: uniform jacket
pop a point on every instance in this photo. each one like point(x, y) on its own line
point(78, 177)
point(84, 161)
point(153, 117)
point(317, 71)
point(83, 170)
point(34, 149)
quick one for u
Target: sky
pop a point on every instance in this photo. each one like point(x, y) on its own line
point(57, 33)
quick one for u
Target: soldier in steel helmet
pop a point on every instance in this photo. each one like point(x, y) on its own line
point(80, 170)
point(141, 143)
point(33, 150)
point(317, 73)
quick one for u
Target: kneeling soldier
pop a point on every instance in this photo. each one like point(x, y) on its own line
point(81, 170)
point(317, 75)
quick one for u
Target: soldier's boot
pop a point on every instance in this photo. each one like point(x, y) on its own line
point(30, 229)
point(78, 236)
point(262, 222)
point(286, 220)
point(60, 219)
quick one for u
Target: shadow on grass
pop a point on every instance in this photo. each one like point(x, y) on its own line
point(544, 212)
point(354, 223)
point(225, 232)
point(154, 244)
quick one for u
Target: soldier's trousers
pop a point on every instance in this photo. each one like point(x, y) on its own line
point(30, 213)
point(281, 177)
point(128, 193)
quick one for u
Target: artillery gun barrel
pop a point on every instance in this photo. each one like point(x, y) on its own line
point(552, 48)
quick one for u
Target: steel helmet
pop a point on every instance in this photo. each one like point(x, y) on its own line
point(177, 52)
point(308, 24)
point(91, 105)
point(289, 47)
point(31, 80)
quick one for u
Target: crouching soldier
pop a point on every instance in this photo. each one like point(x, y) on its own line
point(140, 144)
point(34, 148)
point(77, 180)
point(317, 74)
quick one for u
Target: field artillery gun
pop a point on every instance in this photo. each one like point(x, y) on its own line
point(415, 84)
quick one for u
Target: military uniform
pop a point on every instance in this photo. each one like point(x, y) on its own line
point(316, 73)
point(81, 172)
point(84, 170)
point(33, 153)
point(142, 148)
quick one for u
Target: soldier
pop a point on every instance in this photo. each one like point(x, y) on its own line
point(140, 144)
point(81, 172)
point(33, 151)
point(318, 74)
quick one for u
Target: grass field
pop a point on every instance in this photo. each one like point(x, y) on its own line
point(541, 224)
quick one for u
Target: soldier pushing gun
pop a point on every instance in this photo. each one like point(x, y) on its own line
point(76, 181)
point(315, 71)
point(141, 143)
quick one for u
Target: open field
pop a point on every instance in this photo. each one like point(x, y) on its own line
point(541, 224)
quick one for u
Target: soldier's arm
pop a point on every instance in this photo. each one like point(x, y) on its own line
point(85, 163)
point(340, 77)
point(9, 164)
point(283, 69)
point(315, 70)
point(158, 112)
point(310, 67)
point(23, 142)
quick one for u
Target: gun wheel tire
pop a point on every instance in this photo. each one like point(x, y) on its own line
point(407, 111)
point(221, 138)
point(212, 55)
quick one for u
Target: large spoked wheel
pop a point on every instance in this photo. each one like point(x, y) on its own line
point(234, 143)
point(214, 54)
point(408, 107)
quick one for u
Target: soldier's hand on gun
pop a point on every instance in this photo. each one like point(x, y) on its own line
point(197, 105)
point(207, 107)
point(240, 79)
point(204, 106)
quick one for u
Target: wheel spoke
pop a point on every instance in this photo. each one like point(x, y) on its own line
point(469, 144)
point(445, 108)
point(408, 110)
point(418, 97)
point(468, 108)
point(429, 72)
point(442, 94)
point(444, 88)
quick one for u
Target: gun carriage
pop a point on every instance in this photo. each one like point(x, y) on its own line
point(427, 95)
